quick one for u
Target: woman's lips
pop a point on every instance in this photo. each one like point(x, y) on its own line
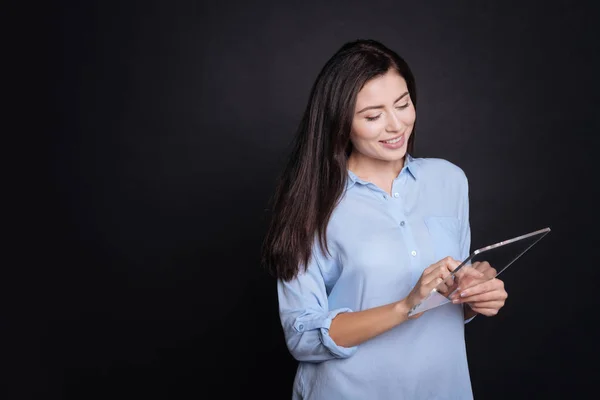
point(393, 143)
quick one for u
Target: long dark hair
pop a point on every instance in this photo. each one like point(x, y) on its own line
point(314, 179)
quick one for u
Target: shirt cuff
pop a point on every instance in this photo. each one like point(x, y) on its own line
point(323, 324)
point(470, 319)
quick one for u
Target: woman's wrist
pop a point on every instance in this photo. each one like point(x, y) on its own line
point(401, 310)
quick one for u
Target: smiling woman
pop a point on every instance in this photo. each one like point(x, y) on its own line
point(352, 246)
point(380, 133)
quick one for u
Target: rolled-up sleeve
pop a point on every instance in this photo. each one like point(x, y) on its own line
point(306, 317)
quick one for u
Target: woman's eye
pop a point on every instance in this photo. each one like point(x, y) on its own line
point(402, 106)
point(375, 118)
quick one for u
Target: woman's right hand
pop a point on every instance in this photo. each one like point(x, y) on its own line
point(431, 277)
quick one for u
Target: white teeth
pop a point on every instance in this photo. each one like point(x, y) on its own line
point(393, 140)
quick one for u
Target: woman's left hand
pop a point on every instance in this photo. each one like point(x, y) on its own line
point(486, 297)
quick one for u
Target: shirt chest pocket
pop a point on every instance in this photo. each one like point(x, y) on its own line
point(445, 236)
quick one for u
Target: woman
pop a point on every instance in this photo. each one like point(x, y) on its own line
point(361, 232)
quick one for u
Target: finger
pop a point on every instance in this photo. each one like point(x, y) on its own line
point(429, 281)
point(488, 312)
point(488, 296)
point(447, 262)
point(467, 271)
point(426, 288)
point(484, 265)
point(486, 286)
point(485, 268)
point(472, 273)
point(444, 287)
point(453, 264)
point(469, 278)
point(432, 267)
point(448, 287)
point(487, 304)
point(441, 272)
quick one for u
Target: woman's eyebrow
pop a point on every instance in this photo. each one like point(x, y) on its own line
point(377, 107)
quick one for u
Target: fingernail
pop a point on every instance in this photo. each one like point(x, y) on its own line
point(456, 301)
point(463, 294)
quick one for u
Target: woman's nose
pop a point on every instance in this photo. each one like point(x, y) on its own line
point(394, 123)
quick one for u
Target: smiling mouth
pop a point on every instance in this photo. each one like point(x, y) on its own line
point(392, 141)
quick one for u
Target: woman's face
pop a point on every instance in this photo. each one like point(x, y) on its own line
point(383, 119)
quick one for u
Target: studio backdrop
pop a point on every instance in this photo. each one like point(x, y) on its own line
point(169, 124)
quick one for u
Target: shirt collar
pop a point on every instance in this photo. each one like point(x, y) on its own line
point(410, 164)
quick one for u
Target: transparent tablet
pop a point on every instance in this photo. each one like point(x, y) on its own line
point(498, 256)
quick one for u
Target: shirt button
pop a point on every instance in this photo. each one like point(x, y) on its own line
point(413, 253)
point(396, 194)
point(402, 223)
point(301, 327)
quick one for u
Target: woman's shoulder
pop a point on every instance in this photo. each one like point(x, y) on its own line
point(438, 167)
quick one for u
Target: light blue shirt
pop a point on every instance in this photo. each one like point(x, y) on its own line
point(380, 245)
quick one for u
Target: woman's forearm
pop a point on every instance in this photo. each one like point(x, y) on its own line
point(353, 328)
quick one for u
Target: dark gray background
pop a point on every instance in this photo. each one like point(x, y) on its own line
point(166, 125)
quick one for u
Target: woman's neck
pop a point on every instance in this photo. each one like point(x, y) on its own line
point(379, 172)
